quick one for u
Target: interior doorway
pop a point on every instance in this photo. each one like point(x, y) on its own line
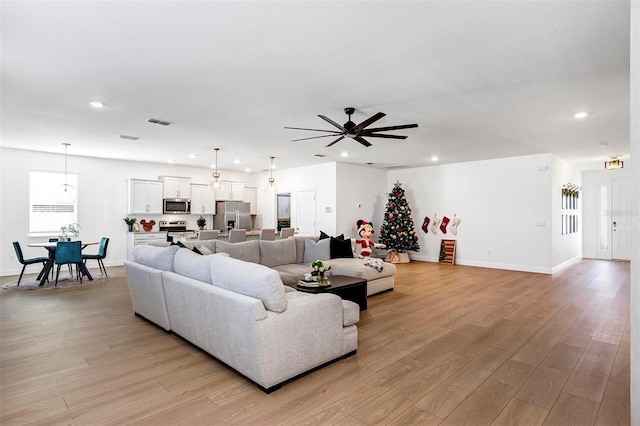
point(283, 210)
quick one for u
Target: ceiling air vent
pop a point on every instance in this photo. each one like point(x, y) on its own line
point(319, 155)
point(157, 121)
point(131, 138)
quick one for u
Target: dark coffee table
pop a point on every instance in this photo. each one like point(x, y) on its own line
point(348, 288)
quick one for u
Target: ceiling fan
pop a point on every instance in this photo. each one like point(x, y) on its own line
point(356, 131)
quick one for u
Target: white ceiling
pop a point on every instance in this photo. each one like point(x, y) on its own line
point(482, 79)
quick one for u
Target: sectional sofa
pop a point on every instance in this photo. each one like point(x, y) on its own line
point(240, 312)
point(292, 258)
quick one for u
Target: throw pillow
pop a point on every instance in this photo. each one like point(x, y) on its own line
point(340, 248)
point(204, 250)
point(195, 250)
point(319, 250)
point(323, 236)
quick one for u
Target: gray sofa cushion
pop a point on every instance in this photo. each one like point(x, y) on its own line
point(279, 252)
point(194, 265)
point(300, 247)
point(155, 257)
point(292, 273)
point(319, 250)
point(250, 279)
point(249, 251)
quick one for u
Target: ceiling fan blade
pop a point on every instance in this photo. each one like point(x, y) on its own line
point(382, 129)
point(315, 137)
point(330, 121)
point(362, 141)
point(369, 121)
point(315, 130)
point(337, 140)
point(382, 135)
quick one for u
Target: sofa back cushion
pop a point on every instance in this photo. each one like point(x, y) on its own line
point(194, 265)
point(249, 251)
point(155, 257)
point(316, 250)
point(250, 279)
point(300, 247)
point(279, 252)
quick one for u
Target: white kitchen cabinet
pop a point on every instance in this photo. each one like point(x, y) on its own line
point(176, 187)
point(145, 196)
point(230, 191)
point(203, 200)
point(251, 197)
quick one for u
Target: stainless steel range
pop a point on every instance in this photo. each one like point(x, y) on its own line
point(177, 228)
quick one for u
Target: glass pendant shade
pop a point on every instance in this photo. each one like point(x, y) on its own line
point(65, 193)
point(214, 183)
point(271, 184)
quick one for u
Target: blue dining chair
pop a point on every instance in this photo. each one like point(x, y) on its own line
point(69, 252)
point(25, 262)
point(102, 253)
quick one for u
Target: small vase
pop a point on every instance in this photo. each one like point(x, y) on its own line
point(323, 281)
point(130, 228)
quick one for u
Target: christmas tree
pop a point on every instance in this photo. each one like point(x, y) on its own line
point(397, 228)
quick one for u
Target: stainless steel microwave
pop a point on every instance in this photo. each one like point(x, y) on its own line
point(176, 206)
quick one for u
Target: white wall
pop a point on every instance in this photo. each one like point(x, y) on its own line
point(361, 194)
point(102, 199)
point(320, 178)
point(504, 207)
point(565, 249)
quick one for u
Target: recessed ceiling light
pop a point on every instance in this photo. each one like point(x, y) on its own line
point(344, 154)
point(171, 161)
point(434, 158)
point(580, 114)
point(96, 104)
point(248, 170)
point(603, 145)
point(192, 156)
point(236, 161)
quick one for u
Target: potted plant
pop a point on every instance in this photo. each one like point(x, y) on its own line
point(201, 222)
point(130, 221)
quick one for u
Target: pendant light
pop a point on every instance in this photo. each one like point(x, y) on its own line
point(215, 182)
point(65, 193)
point(614, 163)
point(271, 185)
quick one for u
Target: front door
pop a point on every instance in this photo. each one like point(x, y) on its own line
point(621, 220)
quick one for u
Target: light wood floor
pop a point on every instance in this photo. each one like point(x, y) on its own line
point(451, 345)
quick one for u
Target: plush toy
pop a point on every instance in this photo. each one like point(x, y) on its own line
point(365, 231)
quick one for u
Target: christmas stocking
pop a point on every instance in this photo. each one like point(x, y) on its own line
point(443, 225)
point(434, 224)
point(454, 225)
point(425, 224)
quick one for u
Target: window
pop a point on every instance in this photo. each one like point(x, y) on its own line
point(46, 215)
point(604, 219)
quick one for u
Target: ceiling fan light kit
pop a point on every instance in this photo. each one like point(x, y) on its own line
point(355, 131)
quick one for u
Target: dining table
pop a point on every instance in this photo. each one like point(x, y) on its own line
point(51, 249)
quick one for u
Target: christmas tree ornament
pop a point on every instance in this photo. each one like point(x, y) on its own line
point(435, 223)
point(454, 225)
point(443, 225)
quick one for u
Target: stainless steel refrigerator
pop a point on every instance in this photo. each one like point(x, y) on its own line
point(232, 215)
